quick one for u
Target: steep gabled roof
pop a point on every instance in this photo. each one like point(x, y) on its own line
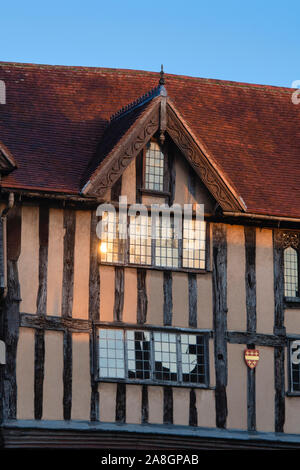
point(7, 161)
point(55, 118)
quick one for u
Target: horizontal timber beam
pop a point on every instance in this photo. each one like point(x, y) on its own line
point(55, 323)
point(260, 339)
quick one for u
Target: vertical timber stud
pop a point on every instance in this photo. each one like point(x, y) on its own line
point(94, 305)
point(279, 330)
point(67, 304)
point(41, 302)
point(139, 176)
point(168, 313)
point(142, 300)
point(142, 305)
point(11, 313)
point(220, 320)
point(118, 315)
point(119, 293)
point(192, 279)
point(250, 284)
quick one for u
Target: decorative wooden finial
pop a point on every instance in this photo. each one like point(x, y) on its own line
point(162, 76)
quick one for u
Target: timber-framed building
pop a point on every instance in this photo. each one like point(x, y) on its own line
point(140, 342)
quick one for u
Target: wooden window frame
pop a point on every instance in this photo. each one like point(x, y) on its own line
point(206, 334)
point(291, 392)
point(166, 176)
point(292, 302)
point(126, 263)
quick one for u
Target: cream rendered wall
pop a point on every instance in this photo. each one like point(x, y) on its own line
point(206, 408)
point(236, 289)
point(181, 406)
point(25, 374)
point(156, 404)
point(237, 387)
point(180, 295)
point(107, 292)
point(133, 403)
point(264, 281)
point(28, 263)
point(81, 380)
point(53, 376)
point(292, 321)
point(265, 391)
point(155, 293)
point(81, 265)
point(55, 261)
point(107, 397)
point(204, 301)
point(130, 295)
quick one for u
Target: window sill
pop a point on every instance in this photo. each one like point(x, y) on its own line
point(292, 302)
point(293, 394)
point(159, 268)
point(152, 383)
point(152, 192)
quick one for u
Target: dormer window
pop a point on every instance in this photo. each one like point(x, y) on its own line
point(154, 167)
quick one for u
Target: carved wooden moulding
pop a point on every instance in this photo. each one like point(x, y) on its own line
point(285, 239)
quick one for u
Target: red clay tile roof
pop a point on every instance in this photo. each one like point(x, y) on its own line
point(55, 117)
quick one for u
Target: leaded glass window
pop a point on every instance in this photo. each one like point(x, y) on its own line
point(140, 240)
point(154, 167)
point(112, 247)
point(294, 369)
point(166, 244)
point(165, 249)
point(290, 272)
point(193, 244)
point(152, 356)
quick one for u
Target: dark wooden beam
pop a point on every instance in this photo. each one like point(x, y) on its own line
point(94, 411)
point(121, 403)
point(142, 305)
point(67, 306)
point(116, 190)
point(220, 321)
point(167, 319)
point(139, 177)
point(75, 325)
point(250, 284)
point(192, 281)
point(94, 277)
point(94, 306)
point(279, 388)
point(260, 339)
point(145, 405)
point(68, 265)
point(43, 259)
point(168, 405)
point(67, 375)
point(10, 329)
point(142, 299)
point(41, 307)
point(119, 293)
point(168, 300)
point(39, 359)
point(193, 415)
point(279, 330)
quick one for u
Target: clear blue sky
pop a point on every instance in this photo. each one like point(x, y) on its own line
point(250, 41)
